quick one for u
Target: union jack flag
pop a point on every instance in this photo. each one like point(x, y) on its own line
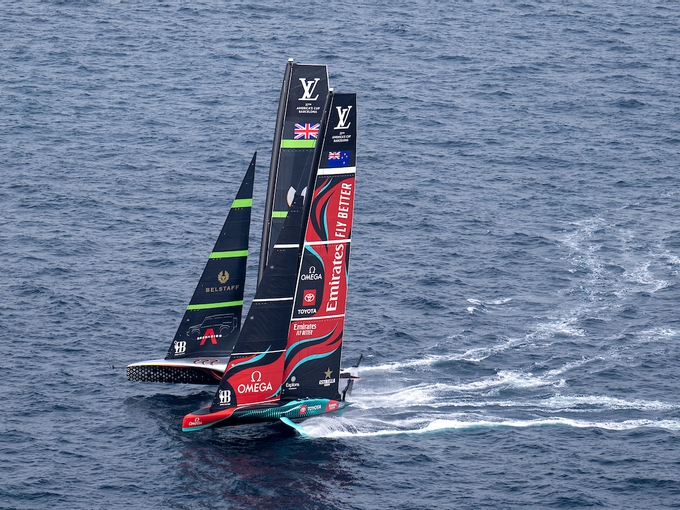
point(333, 155)
point(306, 131)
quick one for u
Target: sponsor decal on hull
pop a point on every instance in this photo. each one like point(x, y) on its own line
point(256, 384)
point(328, 380)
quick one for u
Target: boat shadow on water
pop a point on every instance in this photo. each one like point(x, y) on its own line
point(252, 465)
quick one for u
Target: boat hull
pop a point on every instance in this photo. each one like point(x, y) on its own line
point(292, 410)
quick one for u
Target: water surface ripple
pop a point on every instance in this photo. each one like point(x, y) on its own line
point(515, 272)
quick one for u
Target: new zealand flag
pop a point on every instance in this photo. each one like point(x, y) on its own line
point(336, 159)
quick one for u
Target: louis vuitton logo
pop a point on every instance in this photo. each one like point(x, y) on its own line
point(309, 87)
point(343, 116)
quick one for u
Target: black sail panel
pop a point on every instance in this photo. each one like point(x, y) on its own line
point(212, 320)
point(297, 130)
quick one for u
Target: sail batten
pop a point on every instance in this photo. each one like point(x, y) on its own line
point(228, 254)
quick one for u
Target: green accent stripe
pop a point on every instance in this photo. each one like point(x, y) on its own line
point(298, 144)
point(228, 254)
point(279, 214)
point(242, 202)
point(215, 305)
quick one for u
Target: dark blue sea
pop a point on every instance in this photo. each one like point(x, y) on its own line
point(515, 273)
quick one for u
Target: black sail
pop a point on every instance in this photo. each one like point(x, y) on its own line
point(303, 95)
point(212, 320)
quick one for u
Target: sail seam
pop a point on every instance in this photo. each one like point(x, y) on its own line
point(264, 300)
point(285, 246)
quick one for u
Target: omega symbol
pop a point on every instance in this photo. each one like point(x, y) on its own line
point(256, 376)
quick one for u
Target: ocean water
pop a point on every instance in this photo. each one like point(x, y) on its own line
point(515, 273)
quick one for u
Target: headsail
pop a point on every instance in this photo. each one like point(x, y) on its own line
point(212, 320)
point(210, 326)
point(304, 91)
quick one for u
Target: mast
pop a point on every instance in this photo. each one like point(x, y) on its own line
point(273, 167)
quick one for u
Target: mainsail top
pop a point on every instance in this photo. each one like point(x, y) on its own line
point(303, 94)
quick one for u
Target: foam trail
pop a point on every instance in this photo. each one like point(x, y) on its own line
point(473, 355)
point(341, 428)
point(417, 363)
point(441, 395)
point(594, 402)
